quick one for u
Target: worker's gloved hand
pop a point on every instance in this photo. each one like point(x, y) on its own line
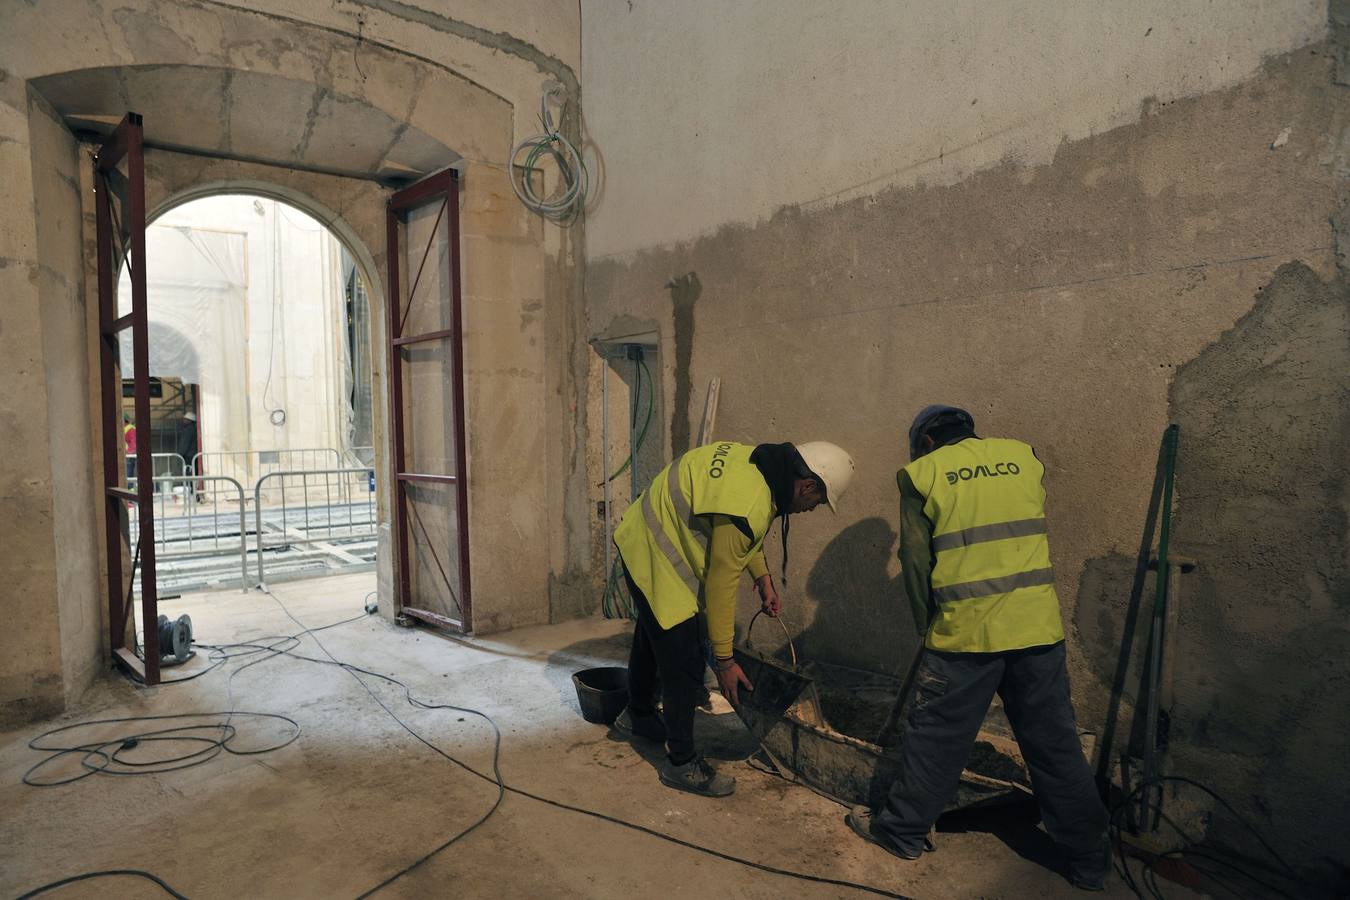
point(769, 601)
point(730, 679)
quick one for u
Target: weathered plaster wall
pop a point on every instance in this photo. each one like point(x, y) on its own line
point(56, 197)
point(507, 305)
point(1262, 676)
point(234, 75)
point(30, 655)
point(723, 112)
point(1122, 207)
point(1266, 501)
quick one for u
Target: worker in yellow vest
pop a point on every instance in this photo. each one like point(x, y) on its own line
point(977, 571)
point(684, 543)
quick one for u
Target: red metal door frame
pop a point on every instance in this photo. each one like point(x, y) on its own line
point(442, 187)
point(125, 143)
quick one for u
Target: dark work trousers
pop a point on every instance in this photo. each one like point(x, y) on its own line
point(674, 658)
point(951, 695)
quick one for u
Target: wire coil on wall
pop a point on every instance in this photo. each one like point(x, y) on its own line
point(567, 201)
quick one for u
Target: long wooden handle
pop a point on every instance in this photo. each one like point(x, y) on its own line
point(893, 719)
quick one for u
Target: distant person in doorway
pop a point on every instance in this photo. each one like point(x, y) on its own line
point(684, 543)
point(185, 440)
point(977, 571)
point(129, 438)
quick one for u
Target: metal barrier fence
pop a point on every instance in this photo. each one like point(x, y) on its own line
point(188, 522)
point(164, 464)
point(251, 466)
point(347, 511)
point(304, 518)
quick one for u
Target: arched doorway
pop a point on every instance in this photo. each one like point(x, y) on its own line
point(261, 367)
point(419, 219)
point(308, 106)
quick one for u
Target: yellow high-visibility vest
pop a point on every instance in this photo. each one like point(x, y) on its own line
point(992, 580)
point(663, 537)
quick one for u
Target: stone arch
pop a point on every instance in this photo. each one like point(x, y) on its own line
point(465, 82)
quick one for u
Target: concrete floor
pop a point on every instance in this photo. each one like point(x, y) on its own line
point(356, 798)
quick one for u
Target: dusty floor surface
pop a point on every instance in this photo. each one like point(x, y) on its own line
point(356, 797)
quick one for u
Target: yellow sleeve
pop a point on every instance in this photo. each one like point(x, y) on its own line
point(757, 566)
point(728, 556)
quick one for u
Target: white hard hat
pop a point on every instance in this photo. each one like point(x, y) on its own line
point(833, 465)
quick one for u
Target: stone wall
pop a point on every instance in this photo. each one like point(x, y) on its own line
point(57, 160)
point(327, 89)
point(30, 664)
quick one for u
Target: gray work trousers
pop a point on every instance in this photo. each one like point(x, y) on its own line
point(950, 697)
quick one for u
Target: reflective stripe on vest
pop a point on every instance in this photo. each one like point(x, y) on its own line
point(663, 536)
point(663, 541)
point(992, 580)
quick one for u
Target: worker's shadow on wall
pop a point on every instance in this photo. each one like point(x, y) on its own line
point(861, 618)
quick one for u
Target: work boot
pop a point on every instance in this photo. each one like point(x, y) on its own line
point(1088, 871)
point(697, 777)
point(649, 726)
point(861, 820)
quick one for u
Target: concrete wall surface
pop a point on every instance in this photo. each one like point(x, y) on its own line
point(373, 88)
point(79, 597)
point(30, 664)
point(1078, 224)
point(725, 112)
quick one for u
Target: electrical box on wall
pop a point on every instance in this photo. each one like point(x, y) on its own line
point(633, 442)
point(633, 451)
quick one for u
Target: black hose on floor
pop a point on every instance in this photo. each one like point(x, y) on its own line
point(284, 646)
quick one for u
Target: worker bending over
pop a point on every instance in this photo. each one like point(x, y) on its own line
point(684, 543)
point(976, 564)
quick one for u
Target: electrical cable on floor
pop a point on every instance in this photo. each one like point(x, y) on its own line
point(1148, 879)
point(105, 756)
point(106, 873)
point(284, 647)
point(502, 787)
point(496, 747)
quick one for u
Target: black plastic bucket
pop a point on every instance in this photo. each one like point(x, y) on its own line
point(602, 693)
